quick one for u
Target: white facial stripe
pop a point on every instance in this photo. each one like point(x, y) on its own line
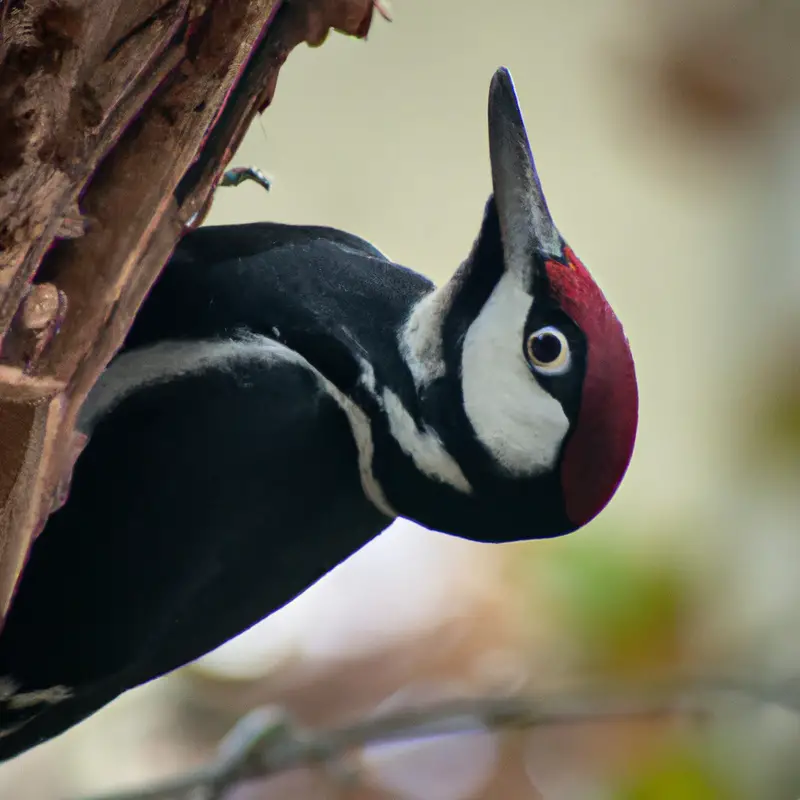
point(166, 361)
point(423, 446)
point(421, 337)
point(367, 378)
point(518, 422)
point(362, 433)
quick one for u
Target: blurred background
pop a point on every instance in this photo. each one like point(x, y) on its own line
point(667, 137)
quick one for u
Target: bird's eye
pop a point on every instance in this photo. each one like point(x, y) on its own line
point(548, 351)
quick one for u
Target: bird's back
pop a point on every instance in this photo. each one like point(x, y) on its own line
point(280, 280)
point(184, 524)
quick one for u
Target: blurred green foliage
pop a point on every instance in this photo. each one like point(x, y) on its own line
point(780, 415)
point(677, 771)
point(624, 612)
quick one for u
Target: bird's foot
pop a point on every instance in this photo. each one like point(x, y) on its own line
point(231, 177)
point(237, 175)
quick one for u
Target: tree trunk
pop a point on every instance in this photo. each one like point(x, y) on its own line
point(117, 118)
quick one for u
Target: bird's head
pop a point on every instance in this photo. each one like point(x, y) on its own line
point(524, 379)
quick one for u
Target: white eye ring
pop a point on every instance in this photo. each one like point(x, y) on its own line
point(542, 354)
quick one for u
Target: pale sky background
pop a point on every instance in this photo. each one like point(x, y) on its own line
point(685, 232)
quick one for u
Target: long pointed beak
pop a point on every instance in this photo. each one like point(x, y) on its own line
point(525, 220)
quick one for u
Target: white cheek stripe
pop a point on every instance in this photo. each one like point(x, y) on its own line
point(362, 433)
point(420, 343)
point(518, 422)
point(166, 361)
point(423, 446)
point(420, 339)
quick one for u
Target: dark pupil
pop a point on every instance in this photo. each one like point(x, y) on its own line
point(546, 348)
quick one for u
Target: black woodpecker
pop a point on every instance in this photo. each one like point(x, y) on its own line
point(284, 393)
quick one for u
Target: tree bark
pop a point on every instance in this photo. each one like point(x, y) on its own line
point(117, 118)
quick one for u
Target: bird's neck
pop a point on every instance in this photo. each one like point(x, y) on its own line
point(420, 337)
point(363, 324)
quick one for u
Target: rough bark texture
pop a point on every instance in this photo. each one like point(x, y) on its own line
point(117, 118)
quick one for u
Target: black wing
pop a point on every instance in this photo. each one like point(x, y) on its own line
point(225, 242)
point(285, 281)
point(200, 506)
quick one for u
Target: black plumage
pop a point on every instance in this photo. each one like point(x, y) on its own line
point(283, 393)
point(166, 564)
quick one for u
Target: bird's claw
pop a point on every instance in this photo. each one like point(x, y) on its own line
point(237, 175)
point(231, 177)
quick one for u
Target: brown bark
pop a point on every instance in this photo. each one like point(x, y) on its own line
point(117, 118)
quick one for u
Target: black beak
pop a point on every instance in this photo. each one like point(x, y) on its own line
point(525, 222)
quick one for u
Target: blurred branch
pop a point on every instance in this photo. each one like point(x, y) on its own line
point(267, 742)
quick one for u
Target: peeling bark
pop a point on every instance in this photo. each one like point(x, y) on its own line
point(117, 119)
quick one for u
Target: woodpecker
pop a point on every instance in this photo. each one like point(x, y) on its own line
point(283, 394)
